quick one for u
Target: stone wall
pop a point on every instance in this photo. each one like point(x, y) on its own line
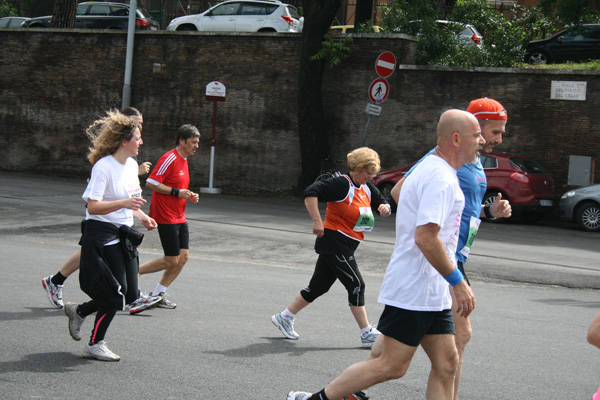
point(56, 82)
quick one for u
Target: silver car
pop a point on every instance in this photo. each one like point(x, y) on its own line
point(582, 205)
point(242, 16)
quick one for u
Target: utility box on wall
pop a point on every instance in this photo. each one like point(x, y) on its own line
point(580, 170)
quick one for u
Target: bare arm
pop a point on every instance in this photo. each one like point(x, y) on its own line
point(148, 222)
point(312, 206)
point(395, 192)
point(428, 241)
point(98, 207)
point(183, 193)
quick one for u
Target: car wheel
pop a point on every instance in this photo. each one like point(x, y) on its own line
point(538, 57)
point(386, 191)
point(588, 217)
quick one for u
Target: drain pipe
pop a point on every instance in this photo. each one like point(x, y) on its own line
point(126, 102)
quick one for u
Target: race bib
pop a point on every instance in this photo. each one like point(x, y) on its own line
point(473, 228)
point(365, 221)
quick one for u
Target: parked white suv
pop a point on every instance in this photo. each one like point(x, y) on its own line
point(242, 16)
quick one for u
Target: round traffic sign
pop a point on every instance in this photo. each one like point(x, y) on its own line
point(379, 90)
point(385, 64)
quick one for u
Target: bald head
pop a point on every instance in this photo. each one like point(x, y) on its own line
point(454, 121)
point(459, 137)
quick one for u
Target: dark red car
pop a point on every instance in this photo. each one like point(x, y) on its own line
point(520, 179)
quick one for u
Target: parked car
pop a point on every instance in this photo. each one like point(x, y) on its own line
point(582, 205)
point(581, 43)
point(468, 33)
point(242, 16)
point(520, 179)
point(100, 15)
point(350, 29)
point(12, 22)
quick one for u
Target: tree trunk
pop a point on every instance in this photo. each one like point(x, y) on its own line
point(64, 12)
point(312, 132)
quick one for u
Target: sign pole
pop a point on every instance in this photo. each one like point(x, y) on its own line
point(215, 92)
point(366, 129)
point(212, 147)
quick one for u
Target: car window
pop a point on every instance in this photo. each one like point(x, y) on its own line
point(528, 165)
point(591, 32)
point(258, 9)
point(226, 9)
point(120, 11)
point(293, 12)
point(99, 9)
point(581, 34)
point(81, 9)
point(488, 162)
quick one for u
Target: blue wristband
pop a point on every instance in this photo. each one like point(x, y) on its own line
point(455, 277)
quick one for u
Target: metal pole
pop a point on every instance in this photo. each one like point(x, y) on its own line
point(126, 101)
point(366, 129)
point(210, 188)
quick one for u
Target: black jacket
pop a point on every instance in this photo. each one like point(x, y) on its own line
point(95, 277)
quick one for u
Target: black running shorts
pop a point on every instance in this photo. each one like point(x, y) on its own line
point(409, 327)
point(174, 237)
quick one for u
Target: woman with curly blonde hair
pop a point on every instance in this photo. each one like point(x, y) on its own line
point(109, 258)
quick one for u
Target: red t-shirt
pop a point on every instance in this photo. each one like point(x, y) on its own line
point(170, 170)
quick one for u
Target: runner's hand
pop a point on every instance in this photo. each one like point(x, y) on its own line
point(465, 299)
point(318, 228)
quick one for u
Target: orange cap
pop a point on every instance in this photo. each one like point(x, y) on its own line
point(485, 108)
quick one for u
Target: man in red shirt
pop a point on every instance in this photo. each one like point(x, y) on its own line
point(170, 180)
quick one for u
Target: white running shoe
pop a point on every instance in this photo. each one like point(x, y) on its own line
point(298, 395)
point(75, 320)
point(144, 302)
point(54, 292)
point(370, 338)
point(285, 325)
point(99, 351)
point(164, 302)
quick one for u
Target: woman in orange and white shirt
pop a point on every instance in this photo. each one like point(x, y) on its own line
point(351, 199)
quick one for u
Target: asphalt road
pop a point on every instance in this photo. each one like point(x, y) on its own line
point(536, 289)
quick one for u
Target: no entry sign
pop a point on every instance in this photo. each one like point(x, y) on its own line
point(385, 64)
point(379, 90)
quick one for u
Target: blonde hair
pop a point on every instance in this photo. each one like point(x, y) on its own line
point(364, 159)
point(107, 134)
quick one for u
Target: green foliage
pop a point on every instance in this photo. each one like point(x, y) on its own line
point(334, 49)
point(366, 27)
point(535, 22)
point(417, 18)
point(7, 10)
point(504, 40)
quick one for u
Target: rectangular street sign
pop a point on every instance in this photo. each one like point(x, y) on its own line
point(373, 109)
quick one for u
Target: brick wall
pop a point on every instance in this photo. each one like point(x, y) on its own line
point(56, 82)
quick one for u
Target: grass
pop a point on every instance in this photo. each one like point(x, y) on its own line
point(593, 65)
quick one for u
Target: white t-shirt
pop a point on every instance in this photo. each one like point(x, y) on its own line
point(111, 181)
point(431, 194)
